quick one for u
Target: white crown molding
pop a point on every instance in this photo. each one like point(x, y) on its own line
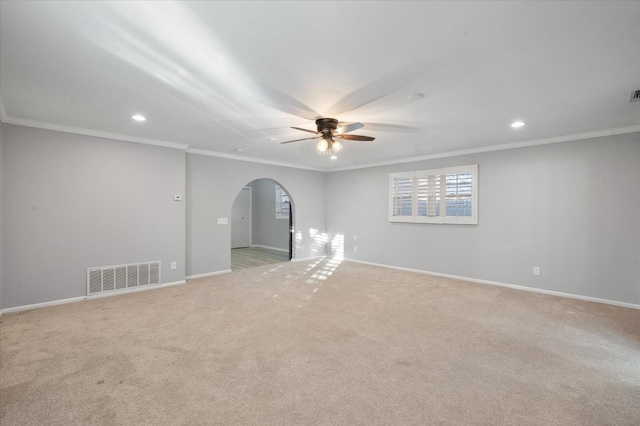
point(88, 132)
point(154, 142)
point(524, 144)
point(545, 141)
point(251, 160)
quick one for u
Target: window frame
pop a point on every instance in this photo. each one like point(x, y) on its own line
point(442, 217)
point(278, 193)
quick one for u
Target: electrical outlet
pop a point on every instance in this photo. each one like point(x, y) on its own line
point(174, 265)
point(536, 270)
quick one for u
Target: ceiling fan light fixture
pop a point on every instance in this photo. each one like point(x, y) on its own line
point(322, 146)
point(328, 129)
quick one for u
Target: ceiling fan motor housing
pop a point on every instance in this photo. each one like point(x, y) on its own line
point(326, 126)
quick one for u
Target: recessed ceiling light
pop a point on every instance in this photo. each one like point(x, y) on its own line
point(334, 157)
point(273, 139)
point(138, 117)
point(416, 96)
point(517, 124)
point(239, 150)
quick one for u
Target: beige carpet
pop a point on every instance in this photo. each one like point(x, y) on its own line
point(343, 344)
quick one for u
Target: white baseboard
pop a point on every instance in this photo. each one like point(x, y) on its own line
point(43, 304)
point(134, 290)
point(208, 274)
point(499, 284)
point(81, 298)
point(305, 259)
point(270, 248)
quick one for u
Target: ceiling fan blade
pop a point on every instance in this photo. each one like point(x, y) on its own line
point(274, 98)
point(354, 137)
point(346, 128)
point(395, 128)
point(305, 130)
point(304, 139)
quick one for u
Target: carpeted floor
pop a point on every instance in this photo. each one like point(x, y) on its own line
point(327, 343)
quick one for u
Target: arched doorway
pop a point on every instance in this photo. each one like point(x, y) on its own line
point(262, 218)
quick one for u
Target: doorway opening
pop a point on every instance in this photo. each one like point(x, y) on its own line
point(261, 225)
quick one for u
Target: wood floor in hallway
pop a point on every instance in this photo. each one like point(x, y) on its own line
point(249, 257)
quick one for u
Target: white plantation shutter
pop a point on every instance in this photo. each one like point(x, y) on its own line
point(447, 195)
point(428, 195)
point(402, 196)
point(461, 195)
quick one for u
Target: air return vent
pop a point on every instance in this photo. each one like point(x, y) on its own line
point(635, 96)
point(105, 279)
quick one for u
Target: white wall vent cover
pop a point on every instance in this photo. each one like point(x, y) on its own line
point(104, 279)
point(635, 96)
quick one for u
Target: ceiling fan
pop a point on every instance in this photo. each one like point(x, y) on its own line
point(328, 129)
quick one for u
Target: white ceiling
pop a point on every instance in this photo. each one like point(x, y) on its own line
point(221, 76)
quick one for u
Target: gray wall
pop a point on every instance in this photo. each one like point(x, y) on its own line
point(266, 230)
point(1, 155)
point(571, 209)
point(213, 184)
point(72, 202)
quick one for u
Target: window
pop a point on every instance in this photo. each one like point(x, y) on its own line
point(283, 205)
point(447, 195)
